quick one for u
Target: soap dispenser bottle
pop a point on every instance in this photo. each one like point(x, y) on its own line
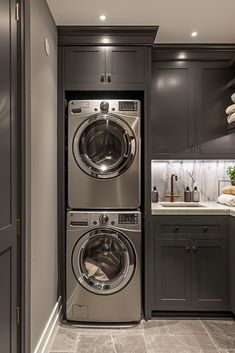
point(154, 194)
point(195, 195)
point(187, 194)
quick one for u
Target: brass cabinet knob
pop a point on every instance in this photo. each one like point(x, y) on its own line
point(194, 248)
point(177, 228)
point(187, 248)
point(205, 228)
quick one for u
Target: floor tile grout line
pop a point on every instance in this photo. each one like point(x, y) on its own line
point(216, 346)
point(145, 342)
point(113, 344)
point(77, 341)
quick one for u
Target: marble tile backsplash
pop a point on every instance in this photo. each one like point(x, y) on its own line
point(201, 173)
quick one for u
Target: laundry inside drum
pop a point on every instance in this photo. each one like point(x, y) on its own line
point(103, 258)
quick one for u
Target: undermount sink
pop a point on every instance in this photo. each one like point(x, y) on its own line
point(180, 204)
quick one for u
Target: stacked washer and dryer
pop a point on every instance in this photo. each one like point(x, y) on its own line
point(103, 238)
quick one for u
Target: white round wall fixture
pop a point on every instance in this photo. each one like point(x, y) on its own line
point(102, 17)
point(47, 46)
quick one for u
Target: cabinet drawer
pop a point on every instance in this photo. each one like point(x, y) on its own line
point(193, 227)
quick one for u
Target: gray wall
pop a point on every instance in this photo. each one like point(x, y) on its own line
point(43, 169)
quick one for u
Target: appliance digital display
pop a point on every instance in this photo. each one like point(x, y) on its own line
point(128, 218)
point(127, 106)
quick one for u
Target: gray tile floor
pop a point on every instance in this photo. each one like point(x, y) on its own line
point(157, 336)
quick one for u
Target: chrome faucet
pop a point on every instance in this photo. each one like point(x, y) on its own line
point(172, 195)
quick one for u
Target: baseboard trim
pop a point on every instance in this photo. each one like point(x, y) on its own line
point(49, 332)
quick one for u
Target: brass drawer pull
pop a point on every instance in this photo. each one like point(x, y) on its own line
point(187, 248)
point(177, 228)
point(205, 228)
point(194, 248)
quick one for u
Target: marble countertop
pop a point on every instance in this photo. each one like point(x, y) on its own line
point(210, 208)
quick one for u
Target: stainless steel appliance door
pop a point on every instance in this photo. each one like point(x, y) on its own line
point(104, 146)
point(103, 261)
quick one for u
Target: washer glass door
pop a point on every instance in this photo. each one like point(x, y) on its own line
point(104, 146)
point(104, 261)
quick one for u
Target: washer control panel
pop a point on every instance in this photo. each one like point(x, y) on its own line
point(129, 220)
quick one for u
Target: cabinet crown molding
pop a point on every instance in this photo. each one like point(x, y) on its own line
point(107, 35)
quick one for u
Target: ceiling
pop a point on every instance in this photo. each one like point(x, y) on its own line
point(214, 20)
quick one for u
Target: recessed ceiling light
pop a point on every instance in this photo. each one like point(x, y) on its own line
point(102, 17)
point(182, 56)
point(105, 40)
point(194, 34)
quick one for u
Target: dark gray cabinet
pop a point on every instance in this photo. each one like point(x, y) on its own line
point(172, 274)
point(190, 263)
point(232, 262)
point(104, 65)
point(209, 274)
point(188, 102)
point(172, 117)
point(85, 64)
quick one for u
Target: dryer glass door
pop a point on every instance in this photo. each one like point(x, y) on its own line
point(104, 146)
point(104, 261)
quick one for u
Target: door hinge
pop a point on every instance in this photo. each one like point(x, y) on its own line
point(18, 227)
point(18, 315)
point(17, 11)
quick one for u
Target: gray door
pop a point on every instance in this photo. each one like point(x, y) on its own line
point(85, 64)
point(8, 202)
point(125, 65)
point(209, 273)
point(172, 274)
point(172, 114)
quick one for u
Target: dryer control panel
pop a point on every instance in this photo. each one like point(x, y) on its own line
point(126, 220)
point(129, 107)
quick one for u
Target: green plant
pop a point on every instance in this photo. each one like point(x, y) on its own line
point(231, 172)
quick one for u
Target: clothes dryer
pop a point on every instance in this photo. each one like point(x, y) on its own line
point(104, 154)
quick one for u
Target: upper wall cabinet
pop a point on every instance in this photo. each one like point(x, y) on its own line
point(104, 65)
point(188, 102)
point(172, 97)
point(85, 64)
point(105, 57)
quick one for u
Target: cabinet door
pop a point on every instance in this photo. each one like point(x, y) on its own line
point(172, 109)
point(209, 275)
point(212, 100)
point(172, 274)
point(85, 64)
point(232, 262)
point(125, 65)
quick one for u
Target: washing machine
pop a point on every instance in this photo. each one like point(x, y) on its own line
point(104, 159)
point(103, 253)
